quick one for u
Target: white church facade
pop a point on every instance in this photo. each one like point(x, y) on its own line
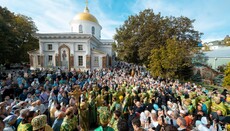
point(82, 48)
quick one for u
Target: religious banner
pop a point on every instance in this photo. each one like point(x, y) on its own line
point(104, 60)
point(88, 61)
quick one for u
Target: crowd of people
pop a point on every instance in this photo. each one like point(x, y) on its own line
point(122, 98)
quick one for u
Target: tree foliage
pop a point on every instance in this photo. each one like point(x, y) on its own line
point(200, 57)
point(169, 60)
point(16, 36)
point(146, 31)
point(163, 44)
point(227, 76)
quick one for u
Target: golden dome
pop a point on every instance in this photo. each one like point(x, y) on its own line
point(86, 16)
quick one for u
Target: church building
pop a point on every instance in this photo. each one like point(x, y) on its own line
point(82, 48)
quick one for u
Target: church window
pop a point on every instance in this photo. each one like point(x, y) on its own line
point(80, 29)
point(80, 60)
point(96, 61)
point(50, 47)
point(50, 58)
point(93, 30)
point(80, 47)
point(39, 60)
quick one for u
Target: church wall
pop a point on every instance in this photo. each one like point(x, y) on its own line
point(62, 40)
point(76, 60)
point(41, 47)
point(107, 49)
point(55, 47)
point(72, 42)
point(100, 62)
point(85, 47)
point(70, 45)
point(46, 57)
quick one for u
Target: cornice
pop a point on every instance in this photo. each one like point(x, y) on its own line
point(71, 35)
point(62, 36)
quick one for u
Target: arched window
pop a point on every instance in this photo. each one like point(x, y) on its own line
point(93, 30)
point(80, 29)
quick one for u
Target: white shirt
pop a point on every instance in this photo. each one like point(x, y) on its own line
point(143, 117)
point(212, 128)
point(42, 108)
point(201, 127)
point(154, 123)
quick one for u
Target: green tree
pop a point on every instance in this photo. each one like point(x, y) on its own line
point(146, 31)
point(199, 57)
point(170, 60)
point(197, 77)
point(16, 36)
point(226, 81)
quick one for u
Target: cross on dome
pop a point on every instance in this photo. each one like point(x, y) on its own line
point(86, 3)
point(86, 7)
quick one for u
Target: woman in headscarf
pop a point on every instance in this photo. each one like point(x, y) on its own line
point(9, 123)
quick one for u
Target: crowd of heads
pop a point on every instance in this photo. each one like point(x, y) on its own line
point(122, 98)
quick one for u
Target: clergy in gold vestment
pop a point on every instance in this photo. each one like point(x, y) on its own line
point(84, 116)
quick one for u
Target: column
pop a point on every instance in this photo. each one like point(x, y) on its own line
point(42, 60)
point(110, 60)
point(71, 63)
point(104, 62)
point(56, 60)
point(88, 61)
point(31, 61)
point(59, 59)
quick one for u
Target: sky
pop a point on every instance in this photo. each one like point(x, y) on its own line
point(212, 17)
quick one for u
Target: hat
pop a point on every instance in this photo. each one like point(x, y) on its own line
point(204, 120)
point(121, 97)
point(198, 122)
point(104, 116)
point(10, 119)
point(37, 92)
point(39, 122)
point(153, 112)
point(155, 106)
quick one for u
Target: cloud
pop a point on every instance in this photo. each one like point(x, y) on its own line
point(54, 15)
point(48, 15)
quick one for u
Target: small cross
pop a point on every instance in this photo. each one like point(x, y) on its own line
point(86, 2)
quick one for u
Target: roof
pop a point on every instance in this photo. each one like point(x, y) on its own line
point(220, 52)
point(33, 51)
point(86, 16)
point(98, 51)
